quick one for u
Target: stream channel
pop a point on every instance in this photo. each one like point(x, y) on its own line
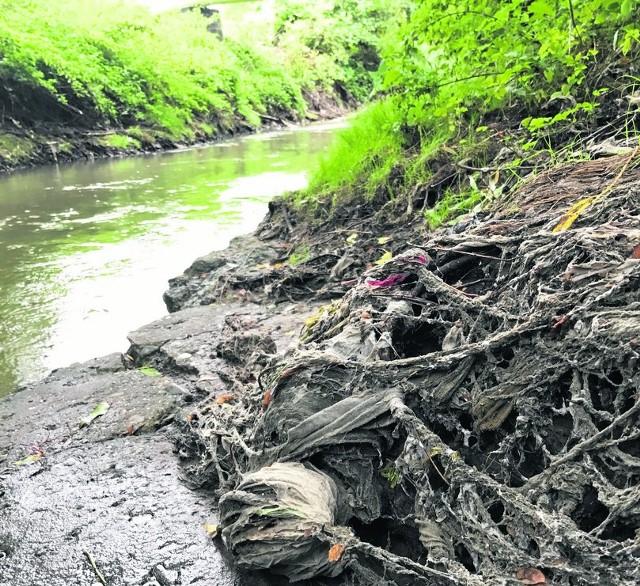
point(86, 249)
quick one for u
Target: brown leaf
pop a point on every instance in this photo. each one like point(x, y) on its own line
point(266, 399)
point(530, 576)
point(336, 551)
point(225, 398)
point(636, 252)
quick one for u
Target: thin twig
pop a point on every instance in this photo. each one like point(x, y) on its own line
point(94, 567)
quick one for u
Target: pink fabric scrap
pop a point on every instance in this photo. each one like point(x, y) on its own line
point(390, 281)
point(419, 259)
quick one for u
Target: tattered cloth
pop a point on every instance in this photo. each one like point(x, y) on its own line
point(473, 422)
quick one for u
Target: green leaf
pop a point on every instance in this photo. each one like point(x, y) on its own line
point(386, 257)
point(384, 239)
point(100, 409)
point(149, 371)
point(626, 7)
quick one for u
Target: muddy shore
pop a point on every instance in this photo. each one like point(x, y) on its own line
point(50, 144)
point(114, 490)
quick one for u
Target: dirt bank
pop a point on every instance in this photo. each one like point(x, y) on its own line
point(50, 143)
point(370, 403)
point(464, 404)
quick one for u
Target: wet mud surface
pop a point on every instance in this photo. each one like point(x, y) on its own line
point(113, 493)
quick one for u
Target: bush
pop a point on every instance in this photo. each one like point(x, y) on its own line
point(109, 64)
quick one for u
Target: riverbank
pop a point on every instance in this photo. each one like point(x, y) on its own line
point(109, 499)
point(53, 144)
point(418, 332)
point(113, 79)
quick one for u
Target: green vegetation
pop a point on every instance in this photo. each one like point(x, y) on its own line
point(15, 149)
point(462, 82)
point(299, 255)
point(105, 63)
point(334, 45)
point(110, 64)
point(120, 141)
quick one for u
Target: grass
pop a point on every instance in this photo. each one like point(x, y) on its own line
point(451, 206)
point(119, 141)
point(299, 255)
point(363, 156)
point(15, 149)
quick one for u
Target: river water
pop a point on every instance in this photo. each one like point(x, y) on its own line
point(86, 249)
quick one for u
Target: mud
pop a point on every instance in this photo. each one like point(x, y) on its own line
point(32, 143)
point(114, 490)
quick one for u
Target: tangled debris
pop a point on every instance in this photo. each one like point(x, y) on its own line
point(466, 414)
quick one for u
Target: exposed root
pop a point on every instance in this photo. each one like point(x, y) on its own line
point(474, 402)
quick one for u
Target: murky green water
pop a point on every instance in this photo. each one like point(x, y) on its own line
point(86, 249)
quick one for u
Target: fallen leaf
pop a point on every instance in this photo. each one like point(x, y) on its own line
point(100, 409)
point(225, 398)
point(352, 239)
point(149, 371)
point(636, 252)
point(29, 459)
point(266, 399)
point(386, 257)
point(278, 265)
point(575, 211)
point(530, 576)
point(212, 529)
point(384, 239)
point(336, 551)
point(365, 315)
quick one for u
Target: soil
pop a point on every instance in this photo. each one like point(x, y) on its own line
point(27, 144)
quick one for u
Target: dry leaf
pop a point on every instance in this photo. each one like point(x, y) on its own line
point(530, 576)
point(266, 399)
point(225, 398)
point(573, 214)
point(211, 528)
point(336, 551)
point(29, 459)
point(636, 252)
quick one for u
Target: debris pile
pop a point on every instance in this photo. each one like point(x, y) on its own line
point(466, 414)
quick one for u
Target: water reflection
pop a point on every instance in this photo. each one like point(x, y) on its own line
point(86, 249)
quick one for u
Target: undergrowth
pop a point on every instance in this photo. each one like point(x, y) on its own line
point(112, 64)
point(475, 95)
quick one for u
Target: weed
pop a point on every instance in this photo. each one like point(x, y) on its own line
point(119, 141)
point(299, 255)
